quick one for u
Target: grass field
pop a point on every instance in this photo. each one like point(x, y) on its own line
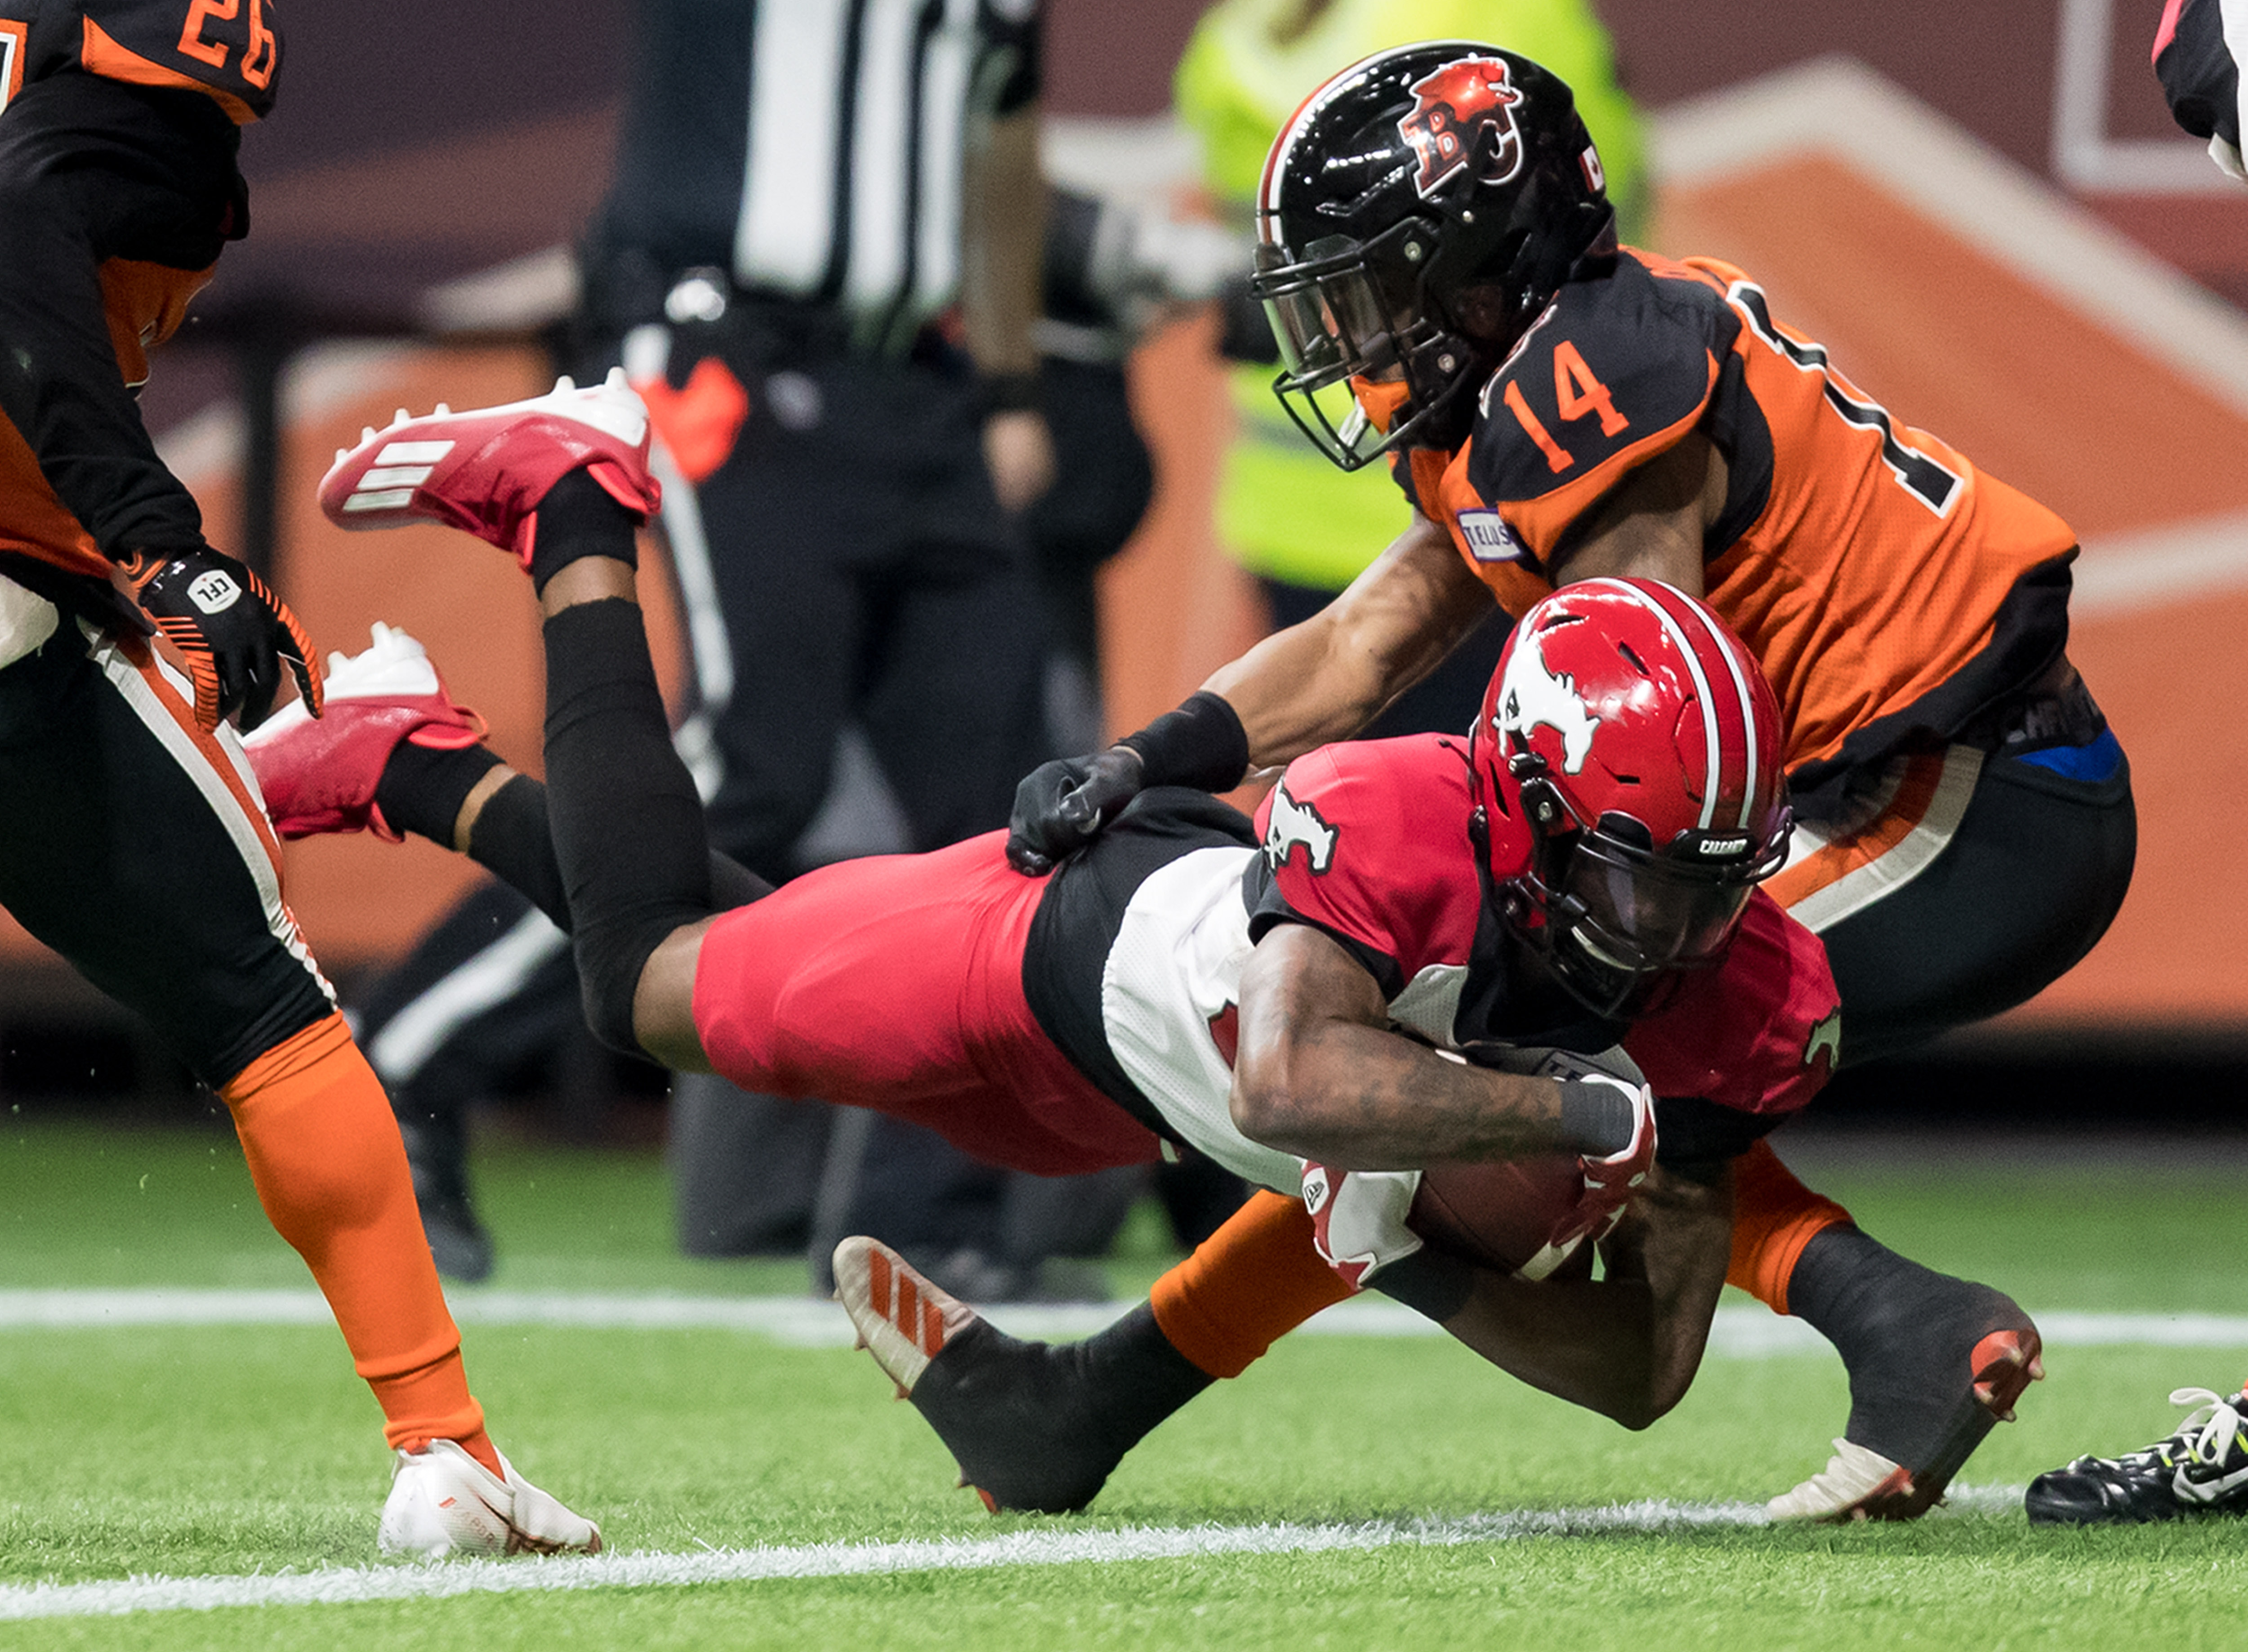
point(1350, 1491)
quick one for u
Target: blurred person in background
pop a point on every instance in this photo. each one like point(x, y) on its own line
point(2202, 1468)
point(132, 837)
point(819, 262)
point(1303, 528)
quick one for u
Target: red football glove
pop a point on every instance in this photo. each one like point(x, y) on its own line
point(233, 633)
point(1358, 1218)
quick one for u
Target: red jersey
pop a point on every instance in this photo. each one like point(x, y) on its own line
point(1134, 960)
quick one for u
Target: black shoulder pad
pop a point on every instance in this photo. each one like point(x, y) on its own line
point(1614, 361)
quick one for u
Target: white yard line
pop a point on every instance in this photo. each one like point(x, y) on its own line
point(1045, 1546)
point(1739, 1333)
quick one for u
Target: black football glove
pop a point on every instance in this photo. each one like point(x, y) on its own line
point(233, 633)
point(1062, 806)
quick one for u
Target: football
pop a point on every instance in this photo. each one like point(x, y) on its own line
point(1503, 1214)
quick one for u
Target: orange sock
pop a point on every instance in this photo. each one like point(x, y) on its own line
point(1774, 1216)
point(331, 1171)
point(1248, 1284)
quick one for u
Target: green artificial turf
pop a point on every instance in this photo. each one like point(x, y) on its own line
point(227, 1450)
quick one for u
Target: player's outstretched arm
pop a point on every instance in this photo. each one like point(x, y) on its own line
point(1626, 1346)
point(1318, 1073)
point(1328, 677)
point(1323, 680)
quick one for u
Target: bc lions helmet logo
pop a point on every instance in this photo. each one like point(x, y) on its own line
point(1530, 695)
point(1453, 107)
point(1294, 823)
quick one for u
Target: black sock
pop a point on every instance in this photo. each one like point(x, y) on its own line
point(512, 840)
point(422, 789)
point(578, 519)
point(626, 821)
point(1905, 1331)
point(1140, 1377)
point(1039, 1426)
point(1846, 1286)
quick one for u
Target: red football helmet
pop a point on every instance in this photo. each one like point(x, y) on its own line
point(1640, 743)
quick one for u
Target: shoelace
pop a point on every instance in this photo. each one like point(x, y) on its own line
point(2210, 1429)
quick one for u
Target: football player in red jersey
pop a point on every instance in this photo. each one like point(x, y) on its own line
point(1300, 997)
point(2202, 1468)
point(1441, 265)
point(132, 841)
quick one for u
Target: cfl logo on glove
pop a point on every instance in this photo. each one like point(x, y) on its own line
point(214, 592)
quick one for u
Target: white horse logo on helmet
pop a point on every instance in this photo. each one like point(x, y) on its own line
point(1529, 694)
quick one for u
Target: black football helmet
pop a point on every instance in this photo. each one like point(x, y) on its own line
point(1416, 215)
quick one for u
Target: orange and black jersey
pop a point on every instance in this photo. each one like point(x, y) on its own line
point(1890, 590)
point(118, 185)
point(227, 51)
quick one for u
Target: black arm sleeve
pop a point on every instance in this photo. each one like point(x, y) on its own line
point(90, 170)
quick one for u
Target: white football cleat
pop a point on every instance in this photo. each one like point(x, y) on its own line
point(444, 1502)
point(1853, 1480)
point(902, 1319)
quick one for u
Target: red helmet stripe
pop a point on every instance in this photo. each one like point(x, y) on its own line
point(1703, 694)
point(1739, 667)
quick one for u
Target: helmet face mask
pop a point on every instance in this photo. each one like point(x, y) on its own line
point(1417, 214)
point(1620, 927)
point(1349, 314)
point(1641, 745)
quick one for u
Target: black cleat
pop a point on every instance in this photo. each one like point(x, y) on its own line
point(1935, 1363)
point(1034, 1426)
point(2202, 1469)
point(437, 1151)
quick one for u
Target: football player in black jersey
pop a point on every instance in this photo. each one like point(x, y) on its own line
point(131, 839)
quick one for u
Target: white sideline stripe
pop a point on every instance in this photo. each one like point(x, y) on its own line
point(2153, 567)
point(1741, 1332)
point(485, 979)
point(342, 1586)
point(1840, 106)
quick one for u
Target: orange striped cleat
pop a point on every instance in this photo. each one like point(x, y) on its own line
point(1031, 1425)
point(903, 1320)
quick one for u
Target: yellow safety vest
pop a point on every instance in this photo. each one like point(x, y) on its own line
point(1283, 510)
